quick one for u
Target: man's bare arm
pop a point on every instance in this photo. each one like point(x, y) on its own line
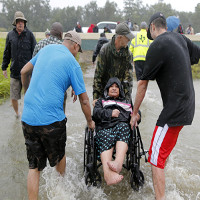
point(141, 91)
point(85, 105)
point(26, 72)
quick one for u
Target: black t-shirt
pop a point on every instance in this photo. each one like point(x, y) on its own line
point(169, 60)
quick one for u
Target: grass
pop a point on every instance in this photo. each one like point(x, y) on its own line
point(196, 71)
point(5, 83)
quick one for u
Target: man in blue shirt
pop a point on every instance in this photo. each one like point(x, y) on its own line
point(43, 120)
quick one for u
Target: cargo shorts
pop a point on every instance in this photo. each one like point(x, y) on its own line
point(45, 142)
point(15, 88)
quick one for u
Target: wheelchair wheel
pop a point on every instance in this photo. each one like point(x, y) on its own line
point(137, 180)
point(137, 177)
point(91, 174)
point(93, 179)
point(87, 148)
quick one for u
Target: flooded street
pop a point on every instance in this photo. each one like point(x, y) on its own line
point(182, 171)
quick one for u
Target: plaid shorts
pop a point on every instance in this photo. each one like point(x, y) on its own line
point(44, 142)
point(15, 88)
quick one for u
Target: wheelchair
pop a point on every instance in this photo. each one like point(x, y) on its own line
point(132, 160)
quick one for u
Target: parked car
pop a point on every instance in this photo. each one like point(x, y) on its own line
point(110, 25)
point(101, 25)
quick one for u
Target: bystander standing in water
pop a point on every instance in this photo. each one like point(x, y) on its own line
point(20, 43)
point(114, 60)
point(168, 60)
point(43, 118)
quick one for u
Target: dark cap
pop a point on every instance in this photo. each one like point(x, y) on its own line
point(143, 25)
point(73, 36)
point(102, 35)
point(56, 28)
point(123, 29)
point(153, 17)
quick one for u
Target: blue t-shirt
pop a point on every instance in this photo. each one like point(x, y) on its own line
point(55, 69)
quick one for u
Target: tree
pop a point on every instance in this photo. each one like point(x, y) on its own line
point(40, 15)
point(196, 18)
point(110, 12)
point(68, 17)
point(185, 19)
point(91, 13)
point(166, 9)
point(37, 12)
point(135, 11)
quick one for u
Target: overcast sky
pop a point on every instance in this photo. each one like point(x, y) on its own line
point(179, 5)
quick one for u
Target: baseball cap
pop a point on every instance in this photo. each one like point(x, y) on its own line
point(143, 25)
point(153, 17)
point(123, 29)
point(73, 36)
point(56, 28)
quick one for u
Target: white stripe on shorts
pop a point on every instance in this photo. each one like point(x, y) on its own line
point(158, 139)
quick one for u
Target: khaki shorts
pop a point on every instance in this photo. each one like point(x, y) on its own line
point(15, 88)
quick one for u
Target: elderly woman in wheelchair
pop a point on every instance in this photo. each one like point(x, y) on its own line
point(112, 120)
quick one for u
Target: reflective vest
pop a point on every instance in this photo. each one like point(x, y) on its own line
point(139, 45)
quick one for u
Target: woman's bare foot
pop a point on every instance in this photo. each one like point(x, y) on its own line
point(114, 166)
point(112, 178)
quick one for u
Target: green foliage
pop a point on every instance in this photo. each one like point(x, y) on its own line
point(196, 71)
point(134, 10)
point(40, 15)
point(91, 13)
point(4, 83)
point(37, 13)
point(111, 12)
point(67, 17)
point(196, 16)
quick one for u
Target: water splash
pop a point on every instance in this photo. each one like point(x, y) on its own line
point(69, 187)
point(180, 182)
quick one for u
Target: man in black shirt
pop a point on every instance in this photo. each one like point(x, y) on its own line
point(95, 29)
point(168, 60)
point(102, 40)
point(20, 43)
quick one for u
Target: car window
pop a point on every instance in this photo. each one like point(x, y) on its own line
point(102, 25)
point(112, 26)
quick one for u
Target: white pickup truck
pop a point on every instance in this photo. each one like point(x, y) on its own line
point(101, 25)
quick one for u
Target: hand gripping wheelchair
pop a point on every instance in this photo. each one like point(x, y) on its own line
point(132, 161)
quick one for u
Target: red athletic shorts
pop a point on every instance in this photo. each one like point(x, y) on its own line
point(162, 143)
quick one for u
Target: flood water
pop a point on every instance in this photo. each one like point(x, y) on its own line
point(182, 170)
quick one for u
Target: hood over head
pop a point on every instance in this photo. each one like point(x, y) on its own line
point(110, 82)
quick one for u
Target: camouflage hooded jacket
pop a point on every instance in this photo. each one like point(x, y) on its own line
point(113, 64)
